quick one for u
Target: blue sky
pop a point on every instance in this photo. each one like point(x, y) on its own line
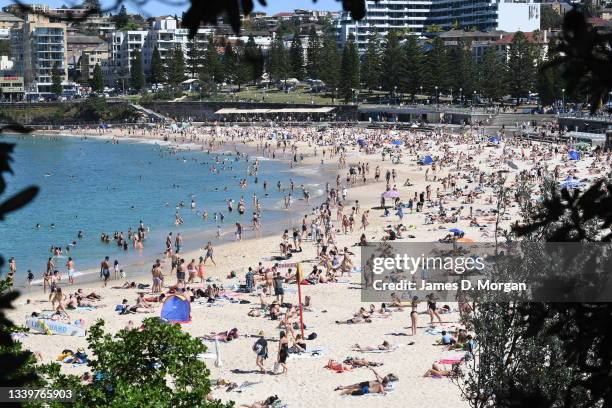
point(156, 7)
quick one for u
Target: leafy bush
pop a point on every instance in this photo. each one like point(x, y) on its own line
point(154, 366)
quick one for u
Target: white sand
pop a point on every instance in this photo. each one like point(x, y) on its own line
point(307, 382)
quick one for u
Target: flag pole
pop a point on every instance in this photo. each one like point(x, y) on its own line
point(299, 276)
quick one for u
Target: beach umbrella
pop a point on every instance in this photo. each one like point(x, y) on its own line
point(426, 160)
point(391, 194)
point(573, 155)
point(494, 139)
point(455, 231)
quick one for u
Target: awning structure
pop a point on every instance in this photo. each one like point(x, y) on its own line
point(237, 111)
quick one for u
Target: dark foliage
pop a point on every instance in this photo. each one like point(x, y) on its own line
point(585, 57)
point(566, 216)
point(16, 369)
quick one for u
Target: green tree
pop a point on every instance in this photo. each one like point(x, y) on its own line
point(155, 366)
point(175, 66)
point(212, 69)
point(157, 72)
point(549, 81)
point(371, 64)
point(329, 68)
point(463, 69)
point(243, 72)
point(121, 19)
point(278, 64)
point(252, 59)
point(313, 52)
point(437, 68)
point(392, 60)
point(97, 82)
point(57, 75)
point(5, 48)
point(194, 56)
point(412, 67)
point(296, 57)
point(521, 66)
point(491, 76)
point(549, 19)
point(230, 63)
point(137, 80)
point(349, 69)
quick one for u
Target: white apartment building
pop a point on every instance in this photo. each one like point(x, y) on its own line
point(415, 16)
point(165, 35)
point(122, 49)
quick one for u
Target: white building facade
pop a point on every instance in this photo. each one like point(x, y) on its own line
point(416, 16)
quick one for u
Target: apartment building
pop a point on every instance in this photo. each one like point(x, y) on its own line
point(36, 48)
point(89, 59)
point(420, 16)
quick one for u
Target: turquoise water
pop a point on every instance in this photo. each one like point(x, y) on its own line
point(95, 186)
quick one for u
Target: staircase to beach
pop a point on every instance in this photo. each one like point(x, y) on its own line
point(152, 114)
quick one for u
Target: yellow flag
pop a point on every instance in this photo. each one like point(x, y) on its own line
point(299, 273)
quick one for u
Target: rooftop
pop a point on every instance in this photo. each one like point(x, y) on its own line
point(532, 38)
point(7, 17)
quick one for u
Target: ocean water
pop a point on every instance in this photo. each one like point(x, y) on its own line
point(95, 186)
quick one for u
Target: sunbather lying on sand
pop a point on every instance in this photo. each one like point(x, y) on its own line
point(437, 371)
point(360, 362)
point(384, 346)
point(268, 402)
point(377, 386)
point(224, 337)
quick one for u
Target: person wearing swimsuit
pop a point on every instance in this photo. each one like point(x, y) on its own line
point(414, 316)
point(432, 309)
point(283, 351)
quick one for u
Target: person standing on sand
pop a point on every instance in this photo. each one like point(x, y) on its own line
point(105, 270)
point(158, 278)
point(201, 270)
point(70, 267)
point(209, 253)
point(283, 351)
point(279, 292)
point(261, 351)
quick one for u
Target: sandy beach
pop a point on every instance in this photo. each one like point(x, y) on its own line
point(462, 180)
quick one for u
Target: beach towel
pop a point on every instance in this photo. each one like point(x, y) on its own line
point(246, 384)
point(452, 357)
point(86, 308)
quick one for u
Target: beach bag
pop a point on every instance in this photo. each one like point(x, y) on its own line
point(312, 336)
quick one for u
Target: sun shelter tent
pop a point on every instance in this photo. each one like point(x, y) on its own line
point(573, 155)
point(176, 309)
point(425, 161)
